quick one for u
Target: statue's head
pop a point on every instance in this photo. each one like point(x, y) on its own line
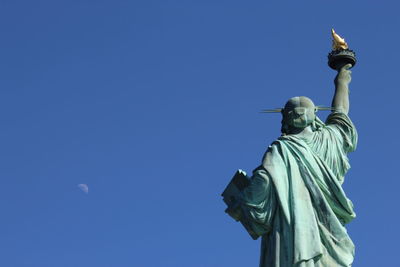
point(298, 113)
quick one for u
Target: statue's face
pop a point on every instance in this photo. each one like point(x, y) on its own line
point(299, 112)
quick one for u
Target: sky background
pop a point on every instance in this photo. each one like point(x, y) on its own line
point(155, 104)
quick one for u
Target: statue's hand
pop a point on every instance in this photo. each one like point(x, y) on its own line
point(344, 75)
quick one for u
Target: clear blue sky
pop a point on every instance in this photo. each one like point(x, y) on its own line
point(154, 104)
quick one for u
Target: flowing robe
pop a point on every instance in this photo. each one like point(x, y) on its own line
point(295, 200)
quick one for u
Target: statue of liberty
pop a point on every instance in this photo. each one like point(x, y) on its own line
point(294, 200)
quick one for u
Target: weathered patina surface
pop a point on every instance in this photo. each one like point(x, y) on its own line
point(294, 200)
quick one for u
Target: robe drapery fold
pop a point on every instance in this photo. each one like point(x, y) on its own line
point(295, 200)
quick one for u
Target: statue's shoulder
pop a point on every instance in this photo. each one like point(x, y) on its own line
point(338, 118)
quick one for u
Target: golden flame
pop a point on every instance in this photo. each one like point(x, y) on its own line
point(338, 43)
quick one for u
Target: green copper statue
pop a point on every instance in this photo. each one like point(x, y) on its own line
point(294, 200)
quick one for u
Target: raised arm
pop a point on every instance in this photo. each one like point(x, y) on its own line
point(340, 100)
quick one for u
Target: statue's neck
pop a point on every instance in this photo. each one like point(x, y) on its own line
point(301, 132)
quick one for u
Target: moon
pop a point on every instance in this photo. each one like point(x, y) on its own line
point(84, 188)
